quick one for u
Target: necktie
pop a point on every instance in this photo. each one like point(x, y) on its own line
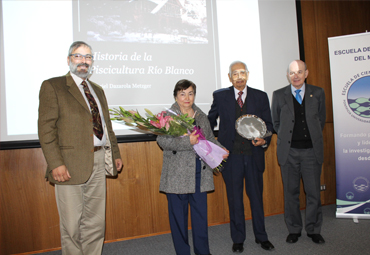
point(97, 126)
point(239, 100)
point(298, 96)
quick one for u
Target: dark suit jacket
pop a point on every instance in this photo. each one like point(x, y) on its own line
point(223, 106)
point(65, 128)
point(283, 119)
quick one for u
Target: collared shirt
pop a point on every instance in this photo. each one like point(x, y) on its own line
point(78, 81)
point(303, 89)
point(244, 95)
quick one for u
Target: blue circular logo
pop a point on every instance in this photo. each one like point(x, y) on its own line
point(358, 97)
point(350, 195)
point(361, 184)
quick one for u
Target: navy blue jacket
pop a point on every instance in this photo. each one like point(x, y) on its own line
point(223, 106)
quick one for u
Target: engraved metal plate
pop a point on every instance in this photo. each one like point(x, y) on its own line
point(250, 127)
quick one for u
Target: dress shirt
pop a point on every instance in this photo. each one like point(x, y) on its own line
point(244, 95)
point(78, 81)
point(303, 89)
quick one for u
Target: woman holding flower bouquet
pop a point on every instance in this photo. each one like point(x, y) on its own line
point(185, 178)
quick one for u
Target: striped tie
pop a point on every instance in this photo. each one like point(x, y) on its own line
point(97, 126)
point(239, 100)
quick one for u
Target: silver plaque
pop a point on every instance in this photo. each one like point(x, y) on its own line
point(250, 127)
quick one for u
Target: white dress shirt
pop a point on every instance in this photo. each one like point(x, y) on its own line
point(78, 81)
point(244, 95)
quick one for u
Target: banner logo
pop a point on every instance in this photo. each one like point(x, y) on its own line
point(361, 184)
point(357, 101)
point(350, 195)
point(358, 97)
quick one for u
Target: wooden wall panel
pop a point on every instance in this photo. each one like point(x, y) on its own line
point(321, 20)
point(28, 213)
point(273, 200)
point(135, 207)
point(328, 169)
point(324, 19)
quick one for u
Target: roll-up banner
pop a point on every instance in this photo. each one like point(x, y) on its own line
point(350, 80)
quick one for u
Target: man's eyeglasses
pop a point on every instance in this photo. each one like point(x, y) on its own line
point(300, 72)
point(80, 56)
point(241, 72)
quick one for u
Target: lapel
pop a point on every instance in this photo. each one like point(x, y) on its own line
point(230, 103)
point(288, 98)
point(75, 91)
point(308, 98)
point(251, 101)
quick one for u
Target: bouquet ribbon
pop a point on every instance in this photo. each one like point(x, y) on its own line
point(202, 138)
point(209, 152)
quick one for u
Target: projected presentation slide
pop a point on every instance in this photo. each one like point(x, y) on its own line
point(141, 49)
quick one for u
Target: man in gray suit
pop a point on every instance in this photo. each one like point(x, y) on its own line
point(298, 114)
point(80, 148)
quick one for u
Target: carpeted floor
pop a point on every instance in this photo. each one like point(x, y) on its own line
point(342, 236)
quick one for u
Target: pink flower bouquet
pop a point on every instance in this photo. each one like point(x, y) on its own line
point(170, 123)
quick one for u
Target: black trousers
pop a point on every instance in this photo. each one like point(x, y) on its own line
point(178, 208)
point(242, 168)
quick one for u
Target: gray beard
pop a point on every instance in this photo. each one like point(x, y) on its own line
point(82, 75)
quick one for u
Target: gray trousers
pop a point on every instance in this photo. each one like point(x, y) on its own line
point(302, 163)
point(82, 212)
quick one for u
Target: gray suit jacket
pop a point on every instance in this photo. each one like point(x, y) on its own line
point(178, 171)
point(65, 129)
point(283, 119)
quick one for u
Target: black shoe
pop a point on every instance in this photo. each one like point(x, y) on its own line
point(238, 247)
point(293, 238)
point(267, 245)
point(316, 238)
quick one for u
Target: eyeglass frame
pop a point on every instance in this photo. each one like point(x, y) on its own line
point(241, 72)
point(299, 72)
point(82, 56)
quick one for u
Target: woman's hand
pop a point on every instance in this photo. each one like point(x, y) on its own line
point(193, 138)
point(225, 156)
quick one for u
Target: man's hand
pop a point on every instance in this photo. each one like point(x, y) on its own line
point(61, 174)
point(119, 164)
point(258, 141)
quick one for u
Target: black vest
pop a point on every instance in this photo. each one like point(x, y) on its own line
point(301, 138)
point(241, 145)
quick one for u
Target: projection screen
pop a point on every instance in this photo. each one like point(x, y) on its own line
point(141, 49)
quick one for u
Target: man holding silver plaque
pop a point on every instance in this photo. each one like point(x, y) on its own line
point(298, 113)
point(246, 159)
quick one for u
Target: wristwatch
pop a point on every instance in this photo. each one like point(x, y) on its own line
point(265, 145)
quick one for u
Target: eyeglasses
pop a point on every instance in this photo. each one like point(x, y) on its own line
point(80, 56)
point(241, 72)
point(300, 72)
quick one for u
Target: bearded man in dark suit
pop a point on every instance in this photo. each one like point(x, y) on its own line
point(298, 113)
point(80, 149)
point(247, 158)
